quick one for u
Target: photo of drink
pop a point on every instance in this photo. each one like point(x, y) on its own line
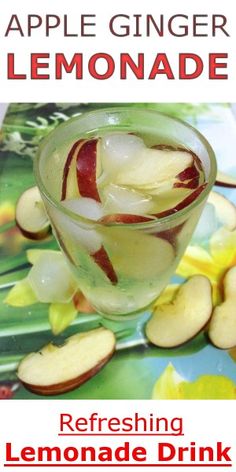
point(113, 251)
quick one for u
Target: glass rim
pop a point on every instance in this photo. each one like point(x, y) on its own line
point(146, 224)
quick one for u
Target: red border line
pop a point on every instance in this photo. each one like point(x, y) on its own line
point(117, 465)
point(120, 434)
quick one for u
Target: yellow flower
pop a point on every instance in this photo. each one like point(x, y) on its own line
point(213, 262)
point(171, 386)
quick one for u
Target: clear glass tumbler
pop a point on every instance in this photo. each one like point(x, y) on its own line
point(143, 256)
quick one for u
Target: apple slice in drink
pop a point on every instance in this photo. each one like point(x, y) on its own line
point(184, 203)
point(69, 179)
point(31, 216)
point(138, 255)
point(57, 369)
point(125, 218)
point(86, 235)
point(88, 169)
point(153, 167)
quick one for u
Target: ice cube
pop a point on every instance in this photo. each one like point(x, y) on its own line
point(117, 149)
point(123, 200)
point(86, 207)
point(51, 279)
point(80, 232)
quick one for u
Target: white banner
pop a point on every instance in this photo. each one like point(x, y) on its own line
point(101, 51)
point(116, 434)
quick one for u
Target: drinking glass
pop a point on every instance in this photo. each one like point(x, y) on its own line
point(143, 256)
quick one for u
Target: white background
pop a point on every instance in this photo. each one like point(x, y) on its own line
point(29, 423)
point(113, 89)
point(35, 423)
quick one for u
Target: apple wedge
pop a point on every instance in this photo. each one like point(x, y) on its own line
point(69, 179)
point(57, 369)
point(102, 260)
point(225, 210)
point(31, 216)
point(171, 234)
point(138, 255)
point(191, 184)
point(222, 328)
point(88, 237)
point(188, 174)
point(184, 203)
point(154, 166)
point(87, 169)
point(225, 180)
point(175, 323)
point(125, 218)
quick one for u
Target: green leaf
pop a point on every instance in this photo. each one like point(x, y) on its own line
point(61, 316)
point(11, 278)
point(21, 295)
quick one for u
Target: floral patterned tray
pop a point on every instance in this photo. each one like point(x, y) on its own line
point(138, 370)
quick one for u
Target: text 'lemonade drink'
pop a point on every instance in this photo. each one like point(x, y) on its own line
point(124, 189)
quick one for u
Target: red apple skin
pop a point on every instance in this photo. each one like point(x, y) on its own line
point(58, 389)
point(37, 236)
point(102, 260)
point(185, 202)
point(125, 218)
point(71, 155)
point(188, 174)
point(219, 183)
point(191, 184)
point(82, 304)
point(86, 170)
point(171, 234)
point(165, 147)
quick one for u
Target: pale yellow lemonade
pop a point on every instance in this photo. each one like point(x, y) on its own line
point(124, 201)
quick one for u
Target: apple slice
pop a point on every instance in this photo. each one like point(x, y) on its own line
point(154, 166)
point(102, 260)
point(57, 369)
point(138, 255)
point(184, 203)
point(31, 216)
point(191, 184)
point(177, 322)
point(87, 168)
point(87, 236)
point(69, 179)
point(188, 174)
point(125, 219)
point(225, 210)
point(171, 234)
point(225, 180)
point(222, 328)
